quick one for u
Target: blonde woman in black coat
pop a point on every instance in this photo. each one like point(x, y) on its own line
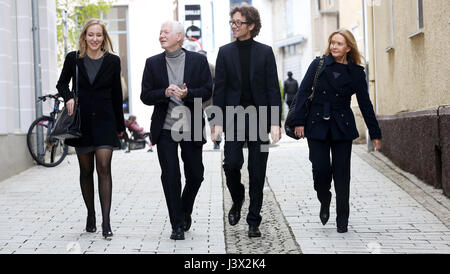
point(102, 121)
point(330, 125)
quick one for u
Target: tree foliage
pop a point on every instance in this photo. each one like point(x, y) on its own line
point(78, 13)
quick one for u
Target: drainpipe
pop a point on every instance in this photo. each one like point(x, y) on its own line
point(366, 53)
point(37, 72)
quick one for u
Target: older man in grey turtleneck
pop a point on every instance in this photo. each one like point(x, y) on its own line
point(171, 81)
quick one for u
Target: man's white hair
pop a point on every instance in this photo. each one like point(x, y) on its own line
point(177, 27)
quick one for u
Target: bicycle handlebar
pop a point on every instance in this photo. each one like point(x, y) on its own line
point(49, 96)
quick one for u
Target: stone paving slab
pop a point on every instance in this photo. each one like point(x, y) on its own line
point(42, 210)
point(383, 217)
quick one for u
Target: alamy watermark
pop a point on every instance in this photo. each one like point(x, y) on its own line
point(242, 124)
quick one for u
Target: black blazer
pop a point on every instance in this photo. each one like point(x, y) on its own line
point(100, 103)
point(332, 98)
point(263, 79)
point(155, 81)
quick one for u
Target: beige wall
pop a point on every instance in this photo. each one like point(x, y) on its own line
point(413, 75)
point(324, 23)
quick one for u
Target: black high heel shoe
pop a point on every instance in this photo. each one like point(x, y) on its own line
point(107, 233)
point(90, 224)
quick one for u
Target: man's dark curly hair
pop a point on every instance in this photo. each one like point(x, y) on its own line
point(251, 15)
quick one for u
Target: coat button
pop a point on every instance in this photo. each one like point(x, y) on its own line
point(324, 92)
point(342, 115)
point(318, 114)
point(313, 122)
point(337, 95)
point(347, 123)
point(93, 113)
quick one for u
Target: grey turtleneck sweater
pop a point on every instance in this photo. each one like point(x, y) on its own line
point(175, 71)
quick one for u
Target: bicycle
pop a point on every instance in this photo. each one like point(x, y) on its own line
point(51, 152)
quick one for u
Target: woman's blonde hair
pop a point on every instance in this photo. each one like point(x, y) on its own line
point(106, 47)
point(354, 53)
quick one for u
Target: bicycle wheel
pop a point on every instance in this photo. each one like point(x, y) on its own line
point(52, 151)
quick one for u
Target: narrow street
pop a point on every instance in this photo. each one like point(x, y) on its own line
point(42, 211)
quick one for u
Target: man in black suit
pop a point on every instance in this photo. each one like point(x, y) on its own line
point(246, 77)
point(171, 82)
point(290, 89)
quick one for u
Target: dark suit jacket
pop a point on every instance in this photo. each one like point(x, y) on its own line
point(100, 103)
point(263, 79)
point(155, 81)
point(333, 96)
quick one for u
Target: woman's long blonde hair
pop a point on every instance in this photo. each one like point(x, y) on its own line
point(107, 46)
point(354, 53)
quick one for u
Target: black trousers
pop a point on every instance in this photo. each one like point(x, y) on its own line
point(257, 163)
point(338, 170)
point(179, 204)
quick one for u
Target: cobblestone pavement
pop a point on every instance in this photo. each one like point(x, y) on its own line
point(277, 237)
point(42, 211)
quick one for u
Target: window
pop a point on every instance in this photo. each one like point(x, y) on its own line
point(289, 9)
point(117, 24)
point(235, 3)
point(419, 19)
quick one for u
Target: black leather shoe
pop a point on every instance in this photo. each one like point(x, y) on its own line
point(235, 213)
point(90, 224)
point(177, 234)
point(324, 214)
point(187, 223)
point(107, 233)
point(253, 231)
point(342, 229)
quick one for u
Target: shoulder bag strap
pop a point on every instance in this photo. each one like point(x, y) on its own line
point(316, 76)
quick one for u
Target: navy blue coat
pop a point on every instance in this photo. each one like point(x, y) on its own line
point(263, 79)
point(155, 81)
point(100, 103)
point(332, 98)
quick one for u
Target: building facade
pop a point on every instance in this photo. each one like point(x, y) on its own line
point(411, 67)
point(17, 92)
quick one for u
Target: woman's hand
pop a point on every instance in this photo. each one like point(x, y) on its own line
point(376, 144)
point(120, 134)
point(70, 105)
point(300, 132)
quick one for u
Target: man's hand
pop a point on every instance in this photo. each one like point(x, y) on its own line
point(216, 131)
point(183, 92)
point(275, 133)
point(171, 91)
point(70, 105)
point(300, 132)
point(376, 144)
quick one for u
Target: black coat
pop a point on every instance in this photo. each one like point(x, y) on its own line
point(263, 79)
point(333, 97)
point(155, 81)
point(100, 103)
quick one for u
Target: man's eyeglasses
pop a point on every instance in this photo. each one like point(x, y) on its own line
point(237, 23)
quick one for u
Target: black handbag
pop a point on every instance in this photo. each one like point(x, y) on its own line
point(69, 127)
point(288, 127)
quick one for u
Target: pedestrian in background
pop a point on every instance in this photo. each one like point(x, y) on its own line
point(100, 101)
point(175, 78)
point(329, 125)
point(290, 89)
point(246, 76)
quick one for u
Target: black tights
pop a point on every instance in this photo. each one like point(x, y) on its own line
point(103, 163)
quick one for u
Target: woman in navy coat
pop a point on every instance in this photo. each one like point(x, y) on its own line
point(330, 123)
point(100, 101)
